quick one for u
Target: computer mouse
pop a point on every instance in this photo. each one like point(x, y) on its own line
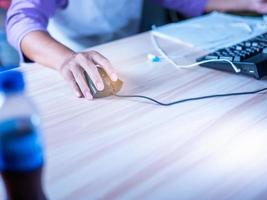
point(110, 87)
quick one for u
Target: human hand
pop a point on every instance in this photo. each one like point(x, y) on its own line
point(259, 6)
point(77, 64)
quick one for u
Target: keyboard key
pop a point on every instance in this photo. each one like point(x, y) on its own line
point(239, 48)
point(247, 44)
point(227, 58)
point(255, 44)
point(211, 57)
point(264, 50)
point(237, 59)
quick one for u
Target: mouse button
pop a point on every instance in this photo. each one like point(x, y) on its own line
point(116, 86)
point(105, 78)
point(104, 93)
point(102, 72)
point(106, 81)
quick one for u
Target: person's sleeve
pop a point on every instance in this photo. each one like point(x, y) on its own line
point(25, 16)
point(188, 8)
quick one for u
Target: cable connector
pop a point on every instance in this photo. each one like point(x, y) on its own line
point(153, 58)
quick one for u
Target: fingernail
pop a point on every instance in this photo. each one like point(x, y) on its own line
point(100, 86)
point(114, 77)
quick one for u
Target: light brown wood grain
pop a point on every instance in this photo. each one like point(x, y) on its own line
point(116, 148)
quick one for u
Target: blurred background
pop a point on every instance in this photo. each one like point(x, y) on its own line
point(8, 55)
point(153, 14)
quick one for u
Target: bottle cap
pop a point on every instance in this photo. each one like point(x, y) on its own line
point(11, 81)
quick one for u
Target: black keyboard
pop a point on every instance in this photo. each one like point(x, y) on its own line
point(249, 56)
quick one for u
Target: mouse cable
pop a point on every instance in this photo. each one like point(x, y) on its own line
point(172, 62)
point(191, 99)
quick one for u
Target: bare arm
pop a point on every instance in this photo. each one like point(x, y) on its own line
point(259, 6)
point(27, 22)
point(40, 47)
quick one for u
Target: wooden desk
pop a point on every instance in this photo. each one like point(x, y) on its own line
point(130, 149)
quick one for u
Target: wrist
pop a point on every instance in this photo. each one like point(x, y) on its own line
point(65, 59)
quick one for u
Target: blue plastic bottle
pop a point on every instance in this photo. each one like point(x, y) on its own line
point(21, 150)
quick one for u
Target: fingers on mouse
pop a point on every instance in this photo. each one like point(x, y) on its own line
point(110, 87)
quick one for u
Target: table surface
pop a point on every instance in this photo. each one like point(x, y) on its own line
point(116, 148)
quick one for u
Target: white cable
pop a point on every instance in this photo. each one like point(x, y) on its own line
point(161, 51)
point(212, 60)
point(167, 58)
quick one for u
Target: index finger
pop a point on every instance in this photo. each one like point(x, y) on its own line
point(105, 64)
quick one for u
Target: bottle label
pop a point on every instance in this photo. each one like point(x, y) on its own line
point(20, 145)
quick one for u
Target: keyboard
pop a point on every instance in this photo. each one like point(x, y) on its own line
point(249, 56)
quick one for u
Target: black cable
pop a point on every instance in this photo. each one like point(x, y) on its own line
point(191, 99)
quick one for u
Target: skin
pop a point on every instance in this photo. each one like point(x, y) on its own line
point(72, 65)
point(259, 6)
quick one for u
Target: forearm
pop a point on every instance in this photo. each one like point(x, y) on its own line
point(40, 47)
point(226, 5)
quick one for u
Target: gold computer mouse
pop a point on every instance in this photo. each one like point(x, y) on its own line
point(110, 87)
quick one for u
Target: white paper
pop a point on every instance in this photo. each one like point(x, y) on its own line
point(213, 31)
